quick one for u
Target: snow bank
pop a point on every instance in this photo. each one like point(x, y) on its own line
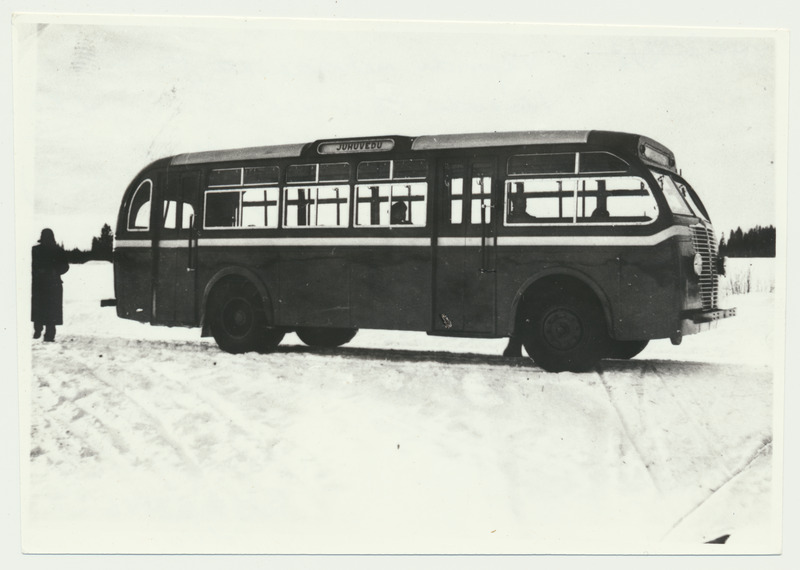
point(748, 275)
point(151, 439)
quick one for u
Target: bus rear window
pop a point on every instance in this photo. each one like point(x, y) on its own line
point(139, 210)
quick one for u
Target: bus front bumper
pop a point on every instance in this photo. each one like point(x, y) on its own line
point(693, 322)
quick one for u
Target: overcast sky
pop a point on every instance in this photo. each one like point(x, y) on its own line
point(96, 100)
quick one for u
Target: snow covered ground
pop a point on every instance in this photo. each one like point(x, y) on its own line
point(150, 439)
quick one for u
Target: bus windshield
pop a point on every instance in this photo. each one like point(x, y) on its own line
point(680, 199)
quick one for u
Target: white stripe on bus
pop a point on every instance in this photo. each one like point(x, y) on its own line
point(594, 240)
point(503, 241)
point(132, 243)
point(311, 241)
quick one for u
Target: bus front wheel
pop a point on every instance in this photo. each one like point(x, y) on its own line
point(324, 337)
point(237, 319)
point(566, 334)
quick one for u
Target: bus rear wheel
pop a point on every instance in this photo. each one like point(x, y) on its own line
point(566, 334)
point(324, 337)
point(625, 349)
point(237, 319)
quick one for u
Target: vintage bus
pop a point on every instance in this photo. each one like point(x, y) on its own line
point(580, 244)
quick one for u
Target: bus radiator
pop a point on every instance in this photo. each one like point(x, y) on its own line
point(706, 246)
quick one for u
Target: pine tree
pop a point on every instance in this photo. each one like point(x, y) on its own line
point(758, 241)
point(102, 246)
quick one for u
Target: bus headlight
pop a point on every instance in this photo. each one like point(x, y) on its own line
point(697, 264)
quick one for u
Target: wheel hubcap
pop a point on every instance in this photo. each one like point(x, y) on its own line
point(237, 317)
point(562, 329)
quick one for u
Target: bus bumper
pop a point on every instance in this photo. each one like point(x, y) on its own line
point(693, 322)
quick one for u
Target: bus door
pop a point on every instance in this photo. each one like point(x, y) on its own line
point(176, 251)
point(465, 247)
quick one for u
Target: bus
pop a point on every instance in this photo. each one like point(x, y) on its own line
point(580, 245)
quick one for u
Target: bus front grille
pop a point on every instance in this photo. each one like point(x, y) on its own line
point(706, 246)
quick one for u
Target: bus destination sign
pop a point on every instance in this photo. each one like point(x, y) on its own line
point(345, 147)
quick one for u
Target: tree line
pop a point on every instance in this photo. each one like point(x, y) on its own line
point(102, 247)
point(755, 242)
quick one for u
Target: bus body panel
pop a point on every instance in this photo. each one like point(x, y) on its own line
point(176, 288)
point(464, 276)
point(380, 298)
point(133, 282)
point(257, 264)
point(314, 287)
point(462, 273)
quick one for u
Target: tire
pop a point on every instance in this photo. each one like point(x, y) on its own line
point(567, 333)
point(625, 349)
point(272, 338)
point(237, 319)
point(323, 337)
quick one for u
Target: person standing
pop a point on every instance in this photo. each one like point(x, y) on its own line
point(48, 264)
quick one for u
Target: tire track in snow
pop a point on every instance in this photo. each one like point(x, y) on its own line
point(475, 360)
point(149, 412)
point(629, 432)
point(69, 417)
point(764, 449)
point(700, 432)
point(97, 373)
point(190, 417)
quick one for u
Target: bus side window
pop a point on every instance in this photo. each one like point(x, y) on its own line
point(316, 206)
point(330, 208)
point(517, 203)
point(454, 184)
point(169, 220)
point(222, 209)
point(389, 194)
point(187, 216)
point(391, 204)
point(481, 195)
point(372, 205)
point(540, 200)
point(139, 211)
point(617, 199)
point(260, 207)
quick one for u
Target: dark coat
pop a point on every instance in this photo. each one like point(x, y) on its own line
point(48, 265)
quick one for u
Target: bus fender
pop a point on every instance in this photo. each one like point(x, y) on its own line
point(560, 271)
point(245, 273)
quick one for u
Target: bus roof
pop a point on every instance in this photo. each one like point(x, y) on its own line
point(251, 153)
point(441, 142)
point(427, 142)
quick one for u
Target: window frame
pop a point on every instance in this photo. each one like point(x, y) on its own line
point(283, 214)
point(574, 195)
point(129, 226)
point(391, 184)
point(240, 190)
